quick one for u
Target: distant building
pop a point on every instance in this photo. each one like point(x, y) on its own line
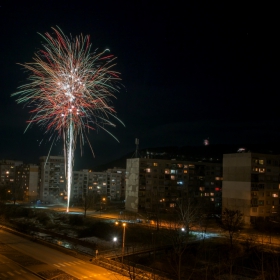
point(109, 184)
point(153, 183)
point(116, 183)
point(251, 185)
point(7, 180)
point(26, 180)
point(52, 183)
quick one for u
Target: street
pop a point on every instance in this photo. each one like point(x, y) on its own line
point(36, 259)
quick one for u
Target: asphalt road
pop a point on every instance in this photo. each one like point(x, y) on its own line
point(23, 259)
point(11, 270)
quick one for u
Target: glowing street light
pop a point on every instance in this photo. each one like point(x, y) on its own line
point(115, 239)
point(123, 240)
point(124, 224)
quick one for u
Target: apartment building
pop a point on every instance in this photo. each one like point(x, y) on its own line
point(116, 183)
point(26, 181)
point(152, 183)
point(251, 184)
point(7, 179)
point(52, 182)
point(109, 184)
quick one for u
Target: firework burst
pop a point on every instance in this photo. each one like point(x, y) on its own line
point(69, 90)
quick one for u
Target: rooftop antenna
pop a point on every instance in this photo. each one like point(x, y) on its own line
point(136, 153)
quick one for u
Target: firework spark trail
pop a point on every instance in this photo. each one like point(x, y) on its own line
point(69, 90)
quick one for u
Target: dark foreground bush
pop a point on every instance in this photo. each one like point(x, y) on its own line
point(43, 218)
point(76, 220)
point(98, 229)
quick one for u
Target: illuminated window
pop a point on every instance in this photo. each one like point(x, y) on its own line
point(212, 199)
point(180, 165)
point(217, 189)
point(173, 177)
point(148, 170)
point(173, 171)
point(261, 170)
point(275, 195)
point(191, 166)
point(218, 178)
point(255, 169)
point(155, 164)
point(167, 171)
point(201, 189)
point(186, 171)
point(261, 161)
point(185, 166)
point(254, 194)
point(172, 205)
point(212, 194)
point(206, 194)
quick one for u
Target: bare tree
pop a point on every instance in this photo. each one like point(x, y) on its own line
point(231, 222)
point(187, 214)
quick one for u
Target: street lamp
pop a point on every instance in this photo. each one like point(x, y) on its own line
point(114, 241)
point(123, 240)
point(103, 200)
point(124, 224)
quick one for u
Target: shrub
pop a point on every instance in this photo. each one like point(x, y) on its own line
point(43, 218)
point(76, 220)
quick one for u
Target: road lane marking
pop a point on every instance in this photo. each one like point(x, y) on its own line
point(11, 273)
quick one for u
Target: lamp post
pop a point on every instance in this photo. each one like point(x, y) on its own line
point(104, 201)
point(123, 239)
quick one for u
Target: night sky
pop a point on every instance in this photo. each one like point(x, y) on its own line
point(190, 72)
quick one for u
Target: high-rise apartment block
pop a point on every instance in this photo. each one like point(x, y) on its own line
point(26, 181)
point(153, 183)
point(251, 184)
point(52, 179)
point(110, 183)
point(52, 182)
point(7, 180)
